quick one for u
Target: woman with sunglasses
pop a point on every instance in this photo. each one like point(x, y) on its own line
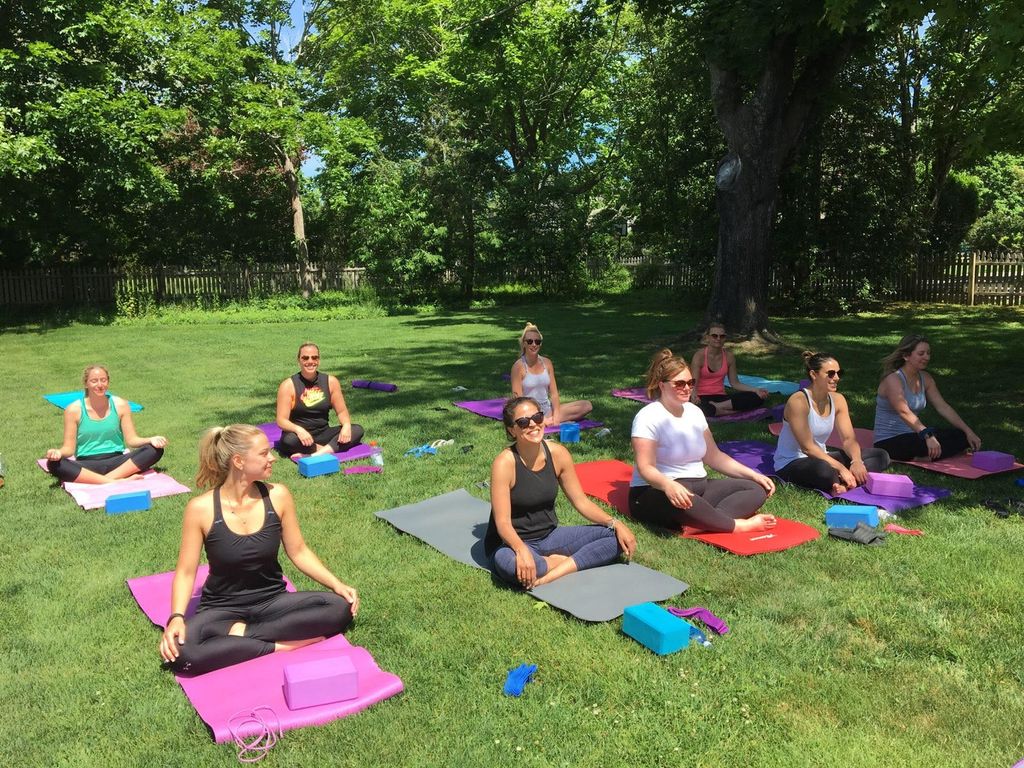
point(245, 610)
point(904, 392)
point(672, 444)
point(534, 376)
point(710, 366)
point(304, 404)
point(810, 416)
point(526, 544)
point(98, 427)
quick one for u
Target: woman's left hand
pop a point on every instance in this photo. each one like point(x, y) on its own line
point(859, 472)
point(346, 435)
point(762, 393)
point(766, 483)
point(973, 441)
point(349, 593)
point(158, 441)
point(627, 541)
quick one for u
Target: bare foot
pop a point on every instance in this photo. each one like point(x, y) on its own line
point(558, 565)
point(838, 488)
point(756, 523)
point(237, 629)
point(322, 449)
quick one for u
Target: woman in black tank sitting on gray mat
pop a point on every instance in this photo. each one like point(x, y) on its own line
point(304, 404)
point(244, 611)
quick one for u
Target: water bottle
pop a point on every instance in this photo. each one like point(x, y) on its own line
point(377, 457)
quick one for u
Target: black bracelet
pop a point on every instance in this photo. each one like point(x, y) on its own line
point(927, 432)
point(173, 616)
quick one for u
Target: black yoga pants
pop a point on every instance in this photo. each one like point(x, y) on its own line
point(741, 401)
point(286, 616)
point(912, 446)
point(290, 443)
point(818, 473)
point(68, 470)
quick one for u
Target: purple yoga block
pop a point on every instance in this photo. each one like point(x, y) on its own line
point(323, 681)
point(889, 485)
point(135, 501)
point(992, 461)
point(322, 464)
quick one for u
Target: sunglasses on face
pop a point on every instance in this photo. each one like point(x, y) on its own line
point(306, 358)
point(834, 374)
point(683, 383)
point(716, 335)
point(524, 421)
point(533, 342)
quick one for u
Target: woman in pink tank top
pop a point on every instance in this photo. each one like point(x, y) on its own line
point(710, 366)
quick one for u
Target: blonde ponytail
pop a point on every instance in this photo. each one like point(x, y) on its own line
point(216, 448)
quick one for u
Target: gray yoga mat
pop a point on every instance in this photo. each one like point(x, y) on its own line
point(455, 523)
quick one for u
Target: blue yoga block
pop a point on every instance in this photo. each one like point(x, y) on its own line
point(569, 432)
point(847, 516)
point(653, 626)
point(324, 464)
point(135, 501)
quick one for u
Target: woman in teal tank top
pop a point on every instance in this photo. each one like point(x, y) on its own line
point(98, 428)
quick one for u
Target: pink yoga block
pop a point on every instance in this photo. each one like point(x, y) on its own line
point(889, 485)
point(323, 681)
point(992, 461)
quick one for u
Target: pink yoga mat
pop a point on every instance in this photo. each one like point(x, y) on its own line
point(356, 452)
point(491, 409)
point(91, 496)
point(758, 414)
point(956, 466)
point(218, 696)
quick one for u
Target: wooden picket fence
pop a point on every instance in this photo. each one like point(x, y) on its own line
point(164, 284)
point(978, 277)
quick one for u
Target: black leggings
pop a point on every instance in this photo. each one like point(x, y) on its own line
point(741, 401)
point(717, 504)
point(284, 617)
point(912, 446)
point(818, 473)
point(289, 442)
point(68, 470)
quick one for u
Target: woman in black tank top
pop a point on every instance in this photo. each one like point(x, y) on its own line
point(245, 610)
point(304, 404)
point(524, 540)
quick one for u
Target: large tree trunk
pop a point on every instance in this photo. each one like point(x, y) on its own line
point(291, 177)
point(763, 127)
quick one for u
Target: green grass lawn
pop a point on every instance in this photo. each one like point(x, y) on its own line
point(839, 655)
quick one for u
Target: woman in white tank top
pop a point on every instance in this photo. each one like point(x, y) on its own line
point(534, 376)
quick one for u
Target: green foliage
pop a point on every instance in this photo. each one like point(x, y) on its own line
point(1001, 191)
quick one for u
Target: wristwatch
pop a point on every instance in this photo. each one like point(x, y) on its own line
point(611, 524)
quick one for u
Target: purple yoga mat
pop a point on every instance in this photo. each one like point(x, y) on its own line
point(220, 695)
point(759, 456)
point(491, 409)
point(380, 386)
point(356, 452)
point(92, 496)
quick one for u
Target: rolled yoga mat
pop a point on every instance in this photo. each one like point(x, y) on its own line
point(380, 386)
point(455, 523)
point(219, 696)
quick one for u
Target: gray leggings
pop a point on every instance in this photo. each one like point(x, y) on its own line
point(717, 504)
point(589, 545)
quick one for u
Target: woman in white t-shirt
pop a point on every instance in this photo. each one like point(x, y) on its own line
point(672, 443)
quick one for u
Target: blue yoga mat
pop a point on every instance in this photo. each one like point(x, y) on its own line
point(786, 388)
point(63, 399)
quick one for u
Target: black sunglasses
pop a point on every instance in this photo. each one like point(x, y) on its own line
point(532, 342)
point(524, 421)
point(834, 374)
point(304, 358)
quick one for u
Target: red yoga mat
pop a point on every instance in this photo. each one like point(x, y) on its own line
point(609, 482)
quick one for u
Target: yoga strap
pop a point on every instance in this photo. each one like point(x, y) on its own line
point(255, 750)
point(702, 615)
